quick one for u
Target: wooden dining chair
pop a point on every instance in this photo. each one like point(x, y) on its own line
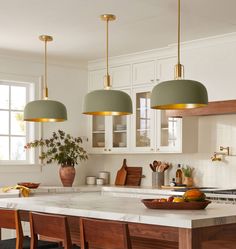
point(96, 233)
point(10, 219)
point(53, 226)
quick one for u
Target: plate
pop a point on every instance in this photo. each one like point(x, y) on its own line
point(193, 205)
point(28, 184)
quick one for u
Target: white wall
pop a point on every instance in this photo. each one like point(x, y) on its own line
point(67, 84)
point(211, 61)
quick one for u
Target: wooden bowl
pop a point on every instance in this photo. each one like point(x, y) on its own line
point(29, 184)
point(193, 205)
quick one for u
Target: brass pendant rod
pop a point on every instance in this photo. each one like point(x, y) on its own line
point(107, 43)
point(45, 71)
point(179, 69)
point(178, 31)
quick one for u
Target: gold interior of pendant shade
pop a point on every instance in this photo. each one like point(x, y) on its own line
point(107, 102)
point(179, 106)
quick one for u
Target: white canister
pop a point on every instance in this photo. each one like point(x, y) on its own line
point(100, 181)
point(91, 180)
point(105, 175)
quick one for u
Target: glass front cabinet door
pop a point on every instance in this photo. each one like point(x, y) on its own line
point(169, 133)
point(97, 134)
point(143, 121)
point(110, 134)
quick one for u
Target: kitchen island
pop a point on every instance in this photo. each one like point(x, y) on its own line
point(148, 228)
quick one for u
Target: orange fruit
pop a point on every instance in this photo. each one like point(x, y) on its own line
point(194, 195)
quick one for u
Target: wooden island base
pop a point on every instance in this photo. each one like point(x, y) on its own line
point(144, 236)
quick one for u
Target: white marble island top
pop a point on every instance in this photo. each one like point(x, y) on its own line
point(96, 205)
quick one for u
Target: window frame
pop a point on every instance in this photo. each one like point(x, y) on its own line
point(33, 130)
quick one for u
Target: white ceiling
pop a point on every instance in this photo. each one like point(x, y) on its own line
point(80, 35)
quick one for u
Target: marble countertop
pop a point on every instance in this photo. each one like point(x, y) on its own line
point(96, 205)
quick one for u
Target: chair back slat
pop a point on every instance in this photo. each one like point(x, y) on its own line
point(54, 226)
point(104, 234)
point(10, 219)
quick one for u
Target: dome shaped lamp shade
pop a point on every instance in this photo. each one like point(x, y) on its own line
point(45, 110)
point(107, 102)
point(179, 93)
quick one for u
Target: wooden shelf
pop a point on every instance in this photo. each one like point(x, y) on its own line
point(213, 108)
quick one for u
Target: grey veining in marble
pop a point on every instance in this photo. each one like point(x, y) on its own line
point(96, 205)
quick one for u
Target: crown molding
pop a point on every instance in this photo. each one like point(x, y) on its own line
point(165, 52)
point(38, 58)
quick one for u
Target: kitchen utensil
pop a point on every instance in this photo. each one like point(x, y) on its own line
point(134, 176)
point(121, 174)
point(156, 164)
point(152, 168)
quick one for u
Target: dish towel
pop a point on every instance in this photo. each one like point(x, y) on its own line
point(23, 190)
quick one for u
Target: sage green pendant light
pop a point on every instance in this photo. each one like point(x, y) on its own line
point(107, 102)
point(179, 93)
point(45, 110)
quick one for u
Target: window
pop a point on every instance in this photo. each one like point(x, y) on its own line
point(14, 131)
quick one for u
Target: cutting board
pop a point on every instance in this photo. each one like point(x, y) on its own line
point(121, 174)
point(134, 176)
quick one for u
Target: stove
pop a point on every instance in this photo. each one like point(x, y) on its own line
point(221, 191)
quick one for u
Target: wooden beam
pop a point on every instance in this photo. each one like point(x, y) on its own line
point(213, 108)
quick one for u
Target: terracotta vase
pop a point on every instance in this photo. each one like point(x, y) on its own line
point(67, 175)
point(188, 181)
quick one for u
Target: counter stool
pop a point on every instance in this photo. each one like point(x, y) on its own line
point(54, 226)
point(10, 219)
point(96, 233)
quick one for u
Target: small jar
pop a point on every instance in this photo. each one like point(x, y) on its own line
point(105, 175)
point(91, 180)
point(100, 181)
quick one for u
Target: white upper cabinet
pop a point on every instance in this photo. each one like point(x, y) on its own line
point(167, 68)
point(144, 72)
point(96, 79)
point(121, 76)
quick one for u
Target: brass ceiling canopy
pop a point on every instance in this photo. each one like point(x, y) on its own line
point(45, 110)
point(179, 93)
point(107, 102)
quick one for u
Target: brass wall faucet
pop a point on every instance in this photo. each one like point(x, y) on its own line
point(218, 156)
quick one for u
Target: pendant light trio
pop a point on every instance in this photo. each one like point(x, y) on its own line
point(174, 94)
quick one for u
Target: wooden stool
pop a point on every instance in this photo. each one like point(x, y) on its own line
point(104, 234)
point(53, 226)
point(10, 219)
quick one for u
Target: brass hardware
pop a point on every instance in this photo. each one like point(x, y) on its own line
point(45, 39)
point(218, 156)
point(226, 149)
point(105, 149)
point(109, 150)
point(215, 157)
point(107, 81)
point(107, 18)
point(179, 68)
